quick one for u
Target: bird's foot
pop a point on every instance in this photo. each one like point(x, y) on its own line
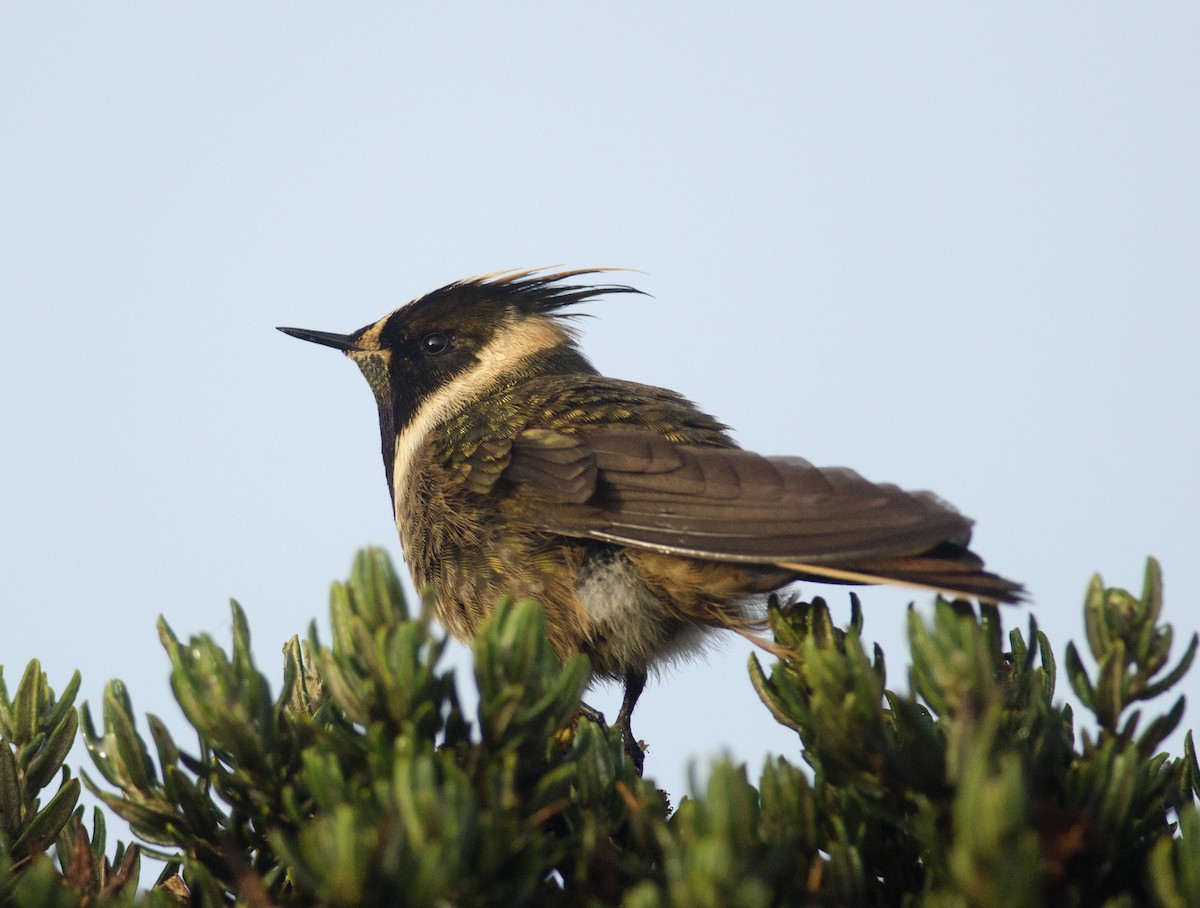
point(634, 748)
point(593, 715)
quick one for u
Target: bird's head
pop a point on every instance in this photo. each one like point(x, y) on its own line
point(441, 352)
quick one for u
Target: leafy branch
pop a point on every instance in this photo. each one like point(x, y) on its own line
point(361, 780)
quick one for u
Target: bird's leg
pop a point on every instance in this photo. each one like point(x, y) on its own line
point(635, 682)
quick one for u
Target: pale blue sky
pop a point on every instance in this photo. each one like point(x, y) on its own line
point(950, 246)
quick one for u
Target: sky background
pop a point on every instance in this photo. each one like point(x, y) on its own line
point(952, 247)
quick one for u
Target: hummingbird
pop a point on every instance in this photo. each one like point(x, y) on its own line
point(515, 469)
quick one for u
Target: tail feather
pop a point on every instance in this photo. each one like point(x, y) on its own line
point(956, 577)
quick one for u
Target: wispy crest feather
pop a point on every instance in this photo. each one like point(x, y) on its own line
point(536, 290)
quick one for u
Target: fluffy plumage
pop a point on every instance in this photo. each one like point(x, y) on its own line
point(516, 469)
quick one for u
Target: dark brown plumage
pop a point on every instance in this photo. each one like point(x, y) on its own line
point(516, 469)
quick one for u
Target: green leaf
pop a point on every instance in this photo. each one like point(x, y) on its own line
point(1152, 591)
point(1110, 696)
point(168, 752)
point(767, 693)
point(99, 835)
point(1175, 675)
point(6, 718)
point(11, 802)
point(135, 767)
point(65, 701)
point(1158, 730)
point(28, 703)
point(44, 828)
point(1191, 765)
point(49, 759)
point(1078, 677)
point(1093, 618)
point(1046, 654)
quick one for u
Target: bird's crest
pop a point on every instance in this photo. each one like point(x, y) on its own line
point(533, 291)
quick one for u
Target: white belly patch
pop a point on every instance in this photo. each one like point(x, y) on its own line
point(628, 622)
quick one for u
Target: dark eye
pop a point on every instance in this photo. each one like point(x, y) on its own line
point(435, 342)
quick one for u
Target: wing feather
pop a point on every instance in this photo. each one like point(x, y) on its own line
point(635, 487)
point(557, 465)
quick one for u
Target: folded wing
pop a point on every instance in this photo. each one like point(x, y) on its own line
point(637, 488)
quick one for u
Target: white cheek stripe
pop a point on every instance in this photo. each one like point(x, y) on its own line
point(512, 343)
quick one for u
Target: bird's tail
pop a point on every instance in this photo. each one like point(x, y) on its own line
point(949, 569)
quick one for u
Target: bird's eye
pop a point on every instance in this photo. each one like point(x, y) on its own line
point(435, 342)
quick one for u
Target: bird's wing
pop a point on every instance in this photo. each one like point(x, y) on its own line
point(637, 488)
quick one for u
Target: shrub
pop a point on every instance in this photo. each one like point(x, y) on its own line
point(362, 782)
